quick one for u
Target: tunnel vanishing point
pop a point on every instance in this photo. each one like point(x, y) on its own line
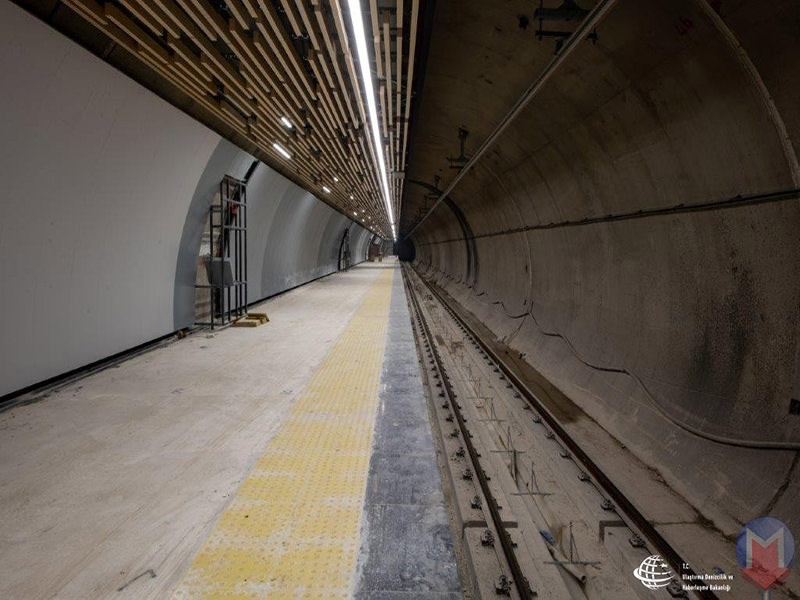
point(383, 299)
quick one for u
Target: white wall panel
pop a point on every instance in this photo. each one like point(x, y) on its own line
point(105, 192)
point(98, 175)
point(293, 237)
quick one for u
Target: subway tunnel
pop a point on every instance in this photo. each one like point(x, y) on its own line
point(387, 299)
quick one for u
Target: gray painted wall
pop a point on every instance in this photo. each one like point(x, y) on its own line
point(105, 192)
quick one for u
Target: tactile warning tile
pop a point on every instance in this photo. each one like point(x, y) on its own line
point(292, 531)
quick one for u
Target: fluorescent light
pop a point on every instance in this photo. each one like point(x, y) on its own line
point(355, 213)
point(287, 123)
point(326, 189)
point(336, 179)
point(351, 196)
point(282, 150)
point(366, 76)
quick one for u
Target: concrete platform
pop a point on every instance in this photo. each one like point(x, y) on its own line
point(113, 485)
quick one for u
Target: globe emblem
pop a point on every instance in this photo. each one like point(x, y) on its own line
point(654, 573)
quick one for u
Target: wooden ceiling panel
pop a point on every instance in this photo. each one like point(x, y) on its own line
point(251, 62)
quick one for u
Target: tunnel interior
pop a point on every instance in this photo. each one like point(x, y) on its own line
point(636, 248)
point(405, 250)
point(605, 193)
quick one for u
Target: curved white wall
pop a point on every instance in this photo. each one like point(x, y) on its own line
point(292, 236)
point(98, 174)
point(104, 185)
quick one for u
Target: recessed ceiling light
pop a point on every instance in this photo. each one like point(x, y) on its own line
point(355, 213)
point(287, 123)
point(336, 179)
point(282, 150)
point(326, 189)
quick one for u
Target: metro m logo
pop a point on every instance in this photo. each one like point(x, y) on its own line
point(765, 549)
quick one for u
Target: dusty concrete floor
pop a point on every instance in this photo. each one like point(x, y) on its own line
point(126, 471)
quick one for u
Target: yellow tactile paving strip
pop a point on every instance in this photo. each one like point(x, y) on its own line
point(292, 531)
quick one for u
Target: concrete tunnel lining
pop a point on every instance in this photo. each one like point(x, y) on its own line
point(611, 134)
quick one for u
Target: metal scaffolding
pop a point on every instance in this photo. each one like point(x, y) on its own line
point(226, 263)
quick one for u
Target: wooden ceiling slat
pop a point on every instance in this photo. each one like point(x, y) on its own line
point(290, 8)
point(278, 34)
point(239, 13)
point(412, 48)
point(143, 41)
point(265, 79)
point(204, 86)
point(144, 16)
point(204, 12)
point(387, 58)
point(89, 10)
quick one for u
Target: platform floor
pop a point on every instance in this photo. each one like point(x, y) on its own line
point(252, 463)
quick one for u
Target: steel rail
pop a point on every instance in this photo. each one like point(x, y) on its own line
point(520, 581)
point(629, 513)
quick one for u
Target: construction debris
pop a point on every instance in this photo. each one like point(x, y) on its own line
point(251, 320)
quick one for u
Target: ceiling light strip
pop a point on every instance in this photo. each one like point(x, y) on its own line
point(357, 22)
point(285, 153)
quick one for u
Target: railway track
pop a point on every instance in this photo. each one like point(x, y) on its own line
point(436, 322)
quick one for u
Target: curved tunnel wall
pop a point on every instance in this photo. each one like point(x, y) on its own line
point(293, 237)
point(106, 189)
point(700, 307)
point(359, 243)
